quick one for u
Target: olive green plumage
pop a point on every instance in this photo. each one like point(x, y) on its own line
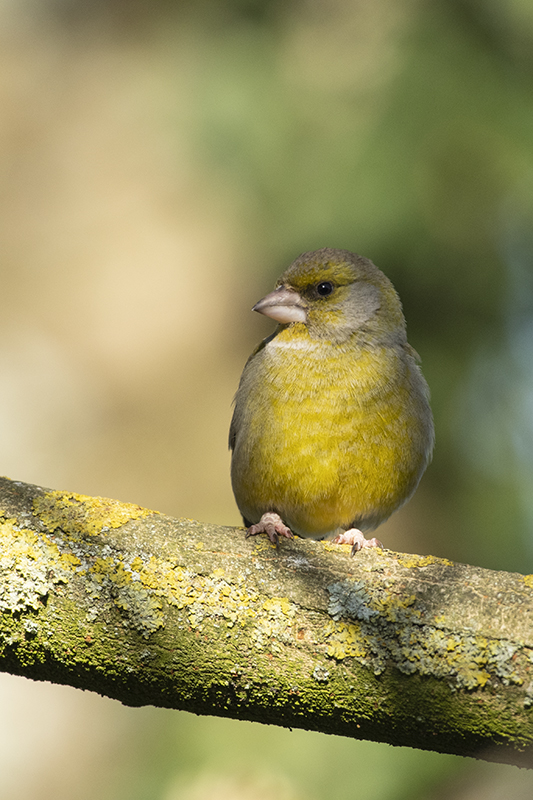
point(332, 427)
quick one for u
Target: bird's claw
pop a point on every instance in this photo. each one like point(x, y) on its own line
point(274, 527)
point(356, 539)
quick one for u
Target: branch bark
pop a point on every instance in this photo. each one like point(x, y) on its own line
point(146, 609)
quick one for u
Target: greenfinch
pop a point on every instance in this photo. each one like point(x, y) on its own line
point(332, 428)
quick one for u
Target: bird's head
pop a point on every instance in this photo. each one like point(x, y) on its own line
point(335, 294)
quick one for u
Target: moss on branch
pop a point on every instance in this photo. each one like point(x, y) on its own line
point(126, 602)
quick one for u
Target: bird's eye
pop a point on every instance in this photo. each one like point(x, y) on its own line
point(324, 288)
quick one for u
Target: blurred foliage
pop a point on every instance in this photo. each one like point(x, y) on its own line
point(401, 131)
point(162, 163)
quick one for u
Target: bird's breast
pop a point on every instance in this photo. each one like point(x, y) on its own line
point(329, 433)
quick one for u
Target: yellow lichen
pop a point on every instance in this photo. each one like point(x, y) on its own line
point(277, 605)
point(78, 514)
point(141, 605)
point(391, 606)
point(70, 559)
point(528, 580)
point(346, 640)
point(334, 548)
point(411, 561)
point(163, 577)
point(262, 545)
point(379, 628)
point(30, 565)
point(213, 598)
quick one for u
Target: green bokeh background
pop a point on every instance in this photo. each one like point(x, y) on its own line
point(162, 163)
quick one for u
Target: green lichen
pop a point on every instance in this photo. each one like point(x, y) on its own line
point(380, 629)
point(78, 514)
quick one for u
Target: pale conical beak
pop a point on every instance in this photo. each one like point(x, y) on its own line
point(284, 305)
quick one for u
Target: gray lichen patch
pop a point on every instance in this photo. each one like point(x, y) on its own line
point(138, 588)
point(379, 629)
point(143, 610)
point(111, 582)
point(219, 600)
point(30, 566)
point(212, 597)
point(274, 624)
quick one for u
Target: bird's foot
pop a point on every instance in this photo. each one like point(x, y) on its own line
point(356, 539)
point(274, 527)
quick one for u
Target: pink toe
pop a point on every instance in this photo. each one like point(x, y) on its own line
point(356, 539)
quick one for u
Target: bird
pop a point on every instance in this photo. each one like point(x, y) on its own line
point(332, 428)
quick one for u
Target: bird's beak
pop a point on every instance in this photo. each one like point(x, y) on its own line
point(284, 305)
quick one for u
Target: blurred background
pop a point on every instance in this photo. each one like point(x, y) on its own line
point(161, 163)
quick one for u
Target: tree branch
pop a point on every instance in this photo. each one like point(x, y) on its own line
point(137, 606)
